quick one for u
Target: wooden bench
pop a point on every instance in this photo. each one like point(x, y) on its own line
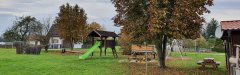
point(208, 61)
point(141, 49)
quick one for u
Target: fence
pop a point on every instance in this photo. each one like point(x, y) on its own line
point(196, 50)
point(6, 45)
point(23, 48)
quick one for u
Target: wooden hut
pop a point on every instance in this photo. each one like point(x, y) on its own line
point(105, 43)
point(231, 37)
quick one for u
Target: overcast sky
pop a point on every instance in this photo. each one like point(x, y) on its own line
point(100, 11)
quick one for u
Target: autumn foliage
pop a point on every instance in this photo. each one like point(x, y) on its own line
point(71, 23)
point(158, 20)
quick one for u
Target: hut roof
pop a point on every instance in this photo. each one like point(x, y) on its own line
point(97, 33)
point(230, 25)
point(233, 26)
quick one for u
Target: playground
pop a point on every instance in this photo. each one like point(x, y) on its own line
point(55, 63)
point(104, 57)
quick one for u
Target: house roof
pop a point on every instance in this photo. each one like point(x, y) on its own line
point(97, 33)
point(53, 31)
point(230, 25)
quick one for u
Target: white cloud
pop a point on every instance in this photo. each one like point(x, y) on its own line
point(227, 14)
point(224, 10)
point(97, 10)
point(94, 8)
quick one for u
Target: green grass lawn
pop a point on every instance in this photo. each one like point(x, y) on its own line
point(57, 64)
point(191, 66)
point(54, 63)
point(182, 67)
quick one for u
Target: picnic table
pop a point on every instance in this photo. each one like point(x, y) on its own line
point(208, 61)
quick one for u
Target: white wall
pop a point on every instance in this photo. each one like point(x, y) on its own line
point(33, 42)
point(78, 45)
point(60, 41)
point(58, 44)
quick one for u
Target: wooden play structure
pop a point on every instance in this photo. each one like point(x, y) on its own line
point(108, 40)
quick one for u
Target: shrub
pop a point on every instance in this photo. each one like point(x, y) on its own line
point(125, 43)
point(220, 50)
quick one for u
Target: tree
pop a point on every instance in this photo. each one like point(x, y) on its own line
point(2, 39)
point(44, 35)
point(125, 42)
point(211, 28)
point(23, 27)
point(95, 26)
point(157, 20)
point(11, 35)
point(71, 23)
point(201, 42)
point(188, 43)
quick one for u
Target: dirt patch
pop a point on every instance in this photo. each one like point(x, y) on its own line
point(74, 52)
point(139, 68)
point(154, 69)
point(178, 58)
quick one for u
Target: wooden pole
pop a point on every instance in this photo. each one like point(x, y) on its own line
point(146, 56)
point(100, 47)
point(92, 44)
point(226, 53)
point(105, 41)
point(228, 50)
point(237, 55)
point(113, 44)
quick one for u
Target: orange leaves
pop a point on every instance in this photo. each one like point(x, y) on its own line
point(71, 23)
point(174, 18)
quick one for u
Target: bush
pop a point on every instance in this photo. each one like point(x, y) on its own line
point(125, 43)
point(220, 50)
point(23, 48)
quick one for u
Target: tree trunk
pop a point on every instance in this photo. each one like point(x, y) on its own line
point(46, 48)
point(164, 50)
point(161, 50)
point(71, 46)
point(171, 48)
point(71, 43)
point(36, 43)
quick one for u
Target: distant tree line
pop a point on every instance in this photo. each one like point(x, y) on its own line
point(71, 24)
point(207, 39)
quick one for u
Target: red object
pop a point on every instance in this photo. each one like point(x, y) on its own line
point(230, 25)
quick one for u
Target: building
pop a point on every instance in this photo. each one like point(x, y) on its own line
point(6, 45)
point(56, 42)
point(231, 37)
point(32, 41)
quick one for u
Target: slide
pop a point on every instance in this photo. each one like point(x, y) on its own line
point(90, 50)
